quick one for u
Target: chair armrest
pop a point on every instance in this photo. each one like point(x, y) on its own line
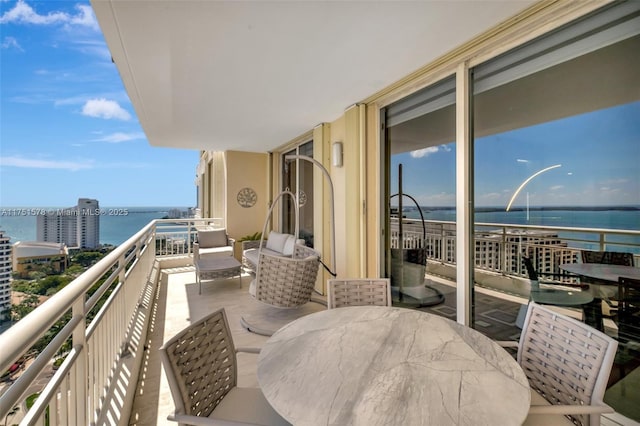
point(570, 409)
point(249, 244)
point(507, 343)
point(201, 421)
point(248, 350)
point(196, 251)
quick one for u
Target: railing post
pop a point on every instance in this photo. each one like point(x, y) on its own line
point(502, 252)
point(81, 381)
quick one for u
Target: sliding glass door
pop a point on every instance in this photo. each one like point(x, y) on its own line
point(421, 182)
point(297, 177)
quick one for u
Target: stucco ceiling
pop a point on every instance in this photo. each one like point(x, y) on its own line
point(252, 75)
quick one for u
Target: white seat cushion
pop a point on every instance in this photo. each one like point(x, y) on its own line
point(212, 238)
point(252, 288)
point(252, 254)
point(544, 419)
point(247, 405)
point(215, 252)
point(276, 241)
point(289, 245)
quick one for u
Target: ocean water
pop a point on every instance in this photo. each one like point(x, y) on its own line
point(117, 224)
point(604, 219)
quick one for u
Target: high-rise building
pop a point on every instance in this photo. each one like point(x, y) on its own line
point(77, 226)
point(5, 274)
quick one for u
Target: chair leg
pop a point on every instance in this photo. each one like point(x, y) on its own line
point(593, 314)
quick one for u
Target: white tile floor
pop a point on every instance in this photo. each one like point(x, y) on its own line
point(177, 304)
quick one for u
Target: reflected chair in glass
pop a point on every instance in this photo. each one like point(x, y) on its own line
point(609, 304)
point(358, 292)
point(568, 364)
point(628, 318)
point(201, 368)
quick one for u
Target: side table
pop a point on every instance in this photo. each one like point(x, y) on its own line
point(216, 268)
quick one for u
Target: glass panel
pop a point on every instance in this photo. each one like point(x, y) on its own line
point(422, 197)
point(557, 173)
point(289, 182)
point(299, 174)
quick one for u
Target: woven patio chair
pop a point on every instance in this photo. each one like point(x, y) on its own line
point(285, 282)
point(568, 364)
point(200, 364)
point(212, 243)
point(358, 292)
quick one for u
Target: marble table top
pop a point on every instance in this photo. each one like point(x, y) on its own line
point(390, 366)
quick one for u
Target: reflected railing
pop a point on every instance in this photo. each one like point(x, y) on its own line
point(499, 247)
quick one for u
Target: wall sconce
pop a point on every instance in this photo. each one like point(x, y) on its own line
point(337, 154)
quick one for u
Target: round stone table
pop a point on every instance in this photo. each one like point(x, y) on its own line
point(390, 366)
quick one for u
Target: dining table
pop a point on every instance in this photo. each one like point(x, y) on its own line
point(603, 284)
point(375, 365)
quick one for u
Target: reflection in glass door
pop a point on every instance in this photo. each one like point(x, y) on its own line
point(297, 177)
point(556, 131)
point(421, 197)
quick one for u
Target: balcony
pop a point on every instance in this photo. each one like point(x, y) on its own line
point(107, 325)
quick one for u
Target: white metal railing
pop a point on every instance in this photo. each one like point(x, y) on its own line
point(93, 314)
point(98, 320)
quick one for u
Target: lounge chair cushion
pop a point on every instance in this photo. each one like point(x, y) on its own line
point(212, 238)
point(277, 241)
point(216, 251)
point(252, 254)
point(289, 245)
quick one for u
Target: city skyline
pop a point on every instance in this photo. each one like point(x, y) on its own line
point(69, 130)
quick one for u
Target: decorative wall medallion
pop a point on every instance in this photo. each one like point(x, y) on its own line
point(247, 197)
point(302, 198)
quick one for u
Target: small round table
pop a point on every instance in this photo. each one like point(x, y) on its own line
point(381, 366)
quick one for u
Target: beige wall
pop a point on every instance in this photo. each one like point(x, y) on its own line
point(246, 169)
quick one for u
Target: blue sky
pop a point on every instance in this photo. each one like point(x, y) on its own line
point(599, 154)
point(67, 127)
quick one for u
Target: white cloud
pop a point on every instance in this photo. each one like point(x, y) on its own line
point(556, 187)
point(31, 163)
point(22, 13)
point(425, 152)
point(520, 160)
point(85, 17)
point(11, 42)
point(102, 108)
point(121, 137)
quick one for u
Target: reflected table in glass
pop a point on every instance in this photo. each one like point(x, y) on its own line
point(372, 365)
point(603, 284)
